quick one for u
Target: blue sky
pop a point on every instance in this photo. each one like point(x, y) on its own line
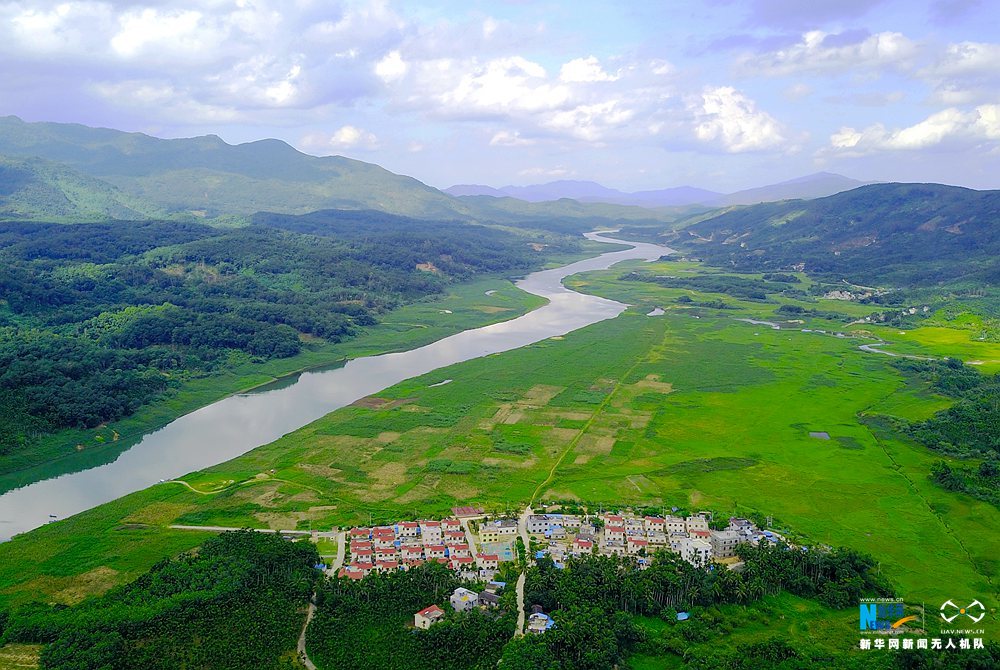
point(721, 94)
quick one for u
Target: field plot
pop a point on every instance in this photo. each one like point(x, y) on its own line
point(673, 410)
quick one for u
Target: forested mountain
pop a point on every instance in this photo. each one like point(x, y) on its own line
point(909, 234)
point(99, 319)
point(206, 177)
point(38, 190)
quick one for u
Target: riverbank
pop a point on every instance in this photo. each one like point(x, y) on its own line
point(464, 307)
point(238, 424)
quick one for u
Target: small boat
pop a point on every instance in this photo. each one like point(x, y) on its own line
point(52, 516)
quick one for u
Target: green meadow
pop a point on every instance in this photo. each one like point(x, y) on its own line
point(692, 408)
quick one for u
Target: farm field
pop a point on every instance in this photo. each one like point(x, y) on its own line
point(672, 410)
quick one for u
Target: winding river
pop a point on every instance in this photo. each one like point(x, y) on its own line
point(235, 425)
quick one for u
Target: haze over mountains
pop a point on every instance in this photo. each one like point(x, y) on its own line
point(811, 186)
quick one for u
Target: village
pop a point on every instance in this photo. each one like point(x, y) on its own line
point(475, 545)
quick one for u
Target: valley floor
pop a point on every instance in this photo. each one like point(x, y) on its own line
point(691, 408)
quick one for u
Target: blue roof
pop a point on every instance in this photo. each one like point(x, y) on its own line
point(683, 616)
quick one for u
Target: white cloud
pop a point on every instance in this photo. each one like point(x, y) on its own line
point(153, 31)
point(345, 137)
point(501, 85)
point(591, 122)
point(950, 127)
point(584, 70)
point(727, 118)
point(967, 58)
point(510, 138)
point(966, 73)
point(391, 67)
point(822, 52)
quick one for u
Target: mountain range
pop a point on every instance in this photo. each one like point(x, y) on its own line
point(906, 234)
point(57, 171)
point(811, 186)
point(205, 177)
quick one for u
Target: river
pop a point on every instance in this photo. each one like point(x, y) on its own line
point(235, 425)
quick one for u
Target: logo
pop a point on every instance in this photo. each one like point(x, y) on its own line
point(883, 616)
point(974, 610)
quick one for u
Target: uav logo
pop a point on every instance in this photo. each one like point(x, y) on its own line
point(950, 611)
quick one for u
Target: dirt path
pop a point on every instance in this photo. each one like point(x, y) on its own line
point(303, 656)
point(522, 531)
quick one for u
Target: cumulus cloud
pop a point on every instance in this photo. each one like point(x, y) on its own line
point(391, 67)
point(728, 119)
point(344, 138)
point(584, 70)
point(966, 72)
point(950, 128)
point(824, 52)
point(217, 56)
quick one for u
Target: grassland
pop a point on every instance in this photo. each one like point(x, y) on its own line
point(692, 408)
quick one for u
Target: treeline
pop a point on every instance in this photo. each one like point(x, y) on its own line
point(238, 602)
point(970, 428)
point(591, 599)
point(99, 319)
point(368, 624)
point(744, 288)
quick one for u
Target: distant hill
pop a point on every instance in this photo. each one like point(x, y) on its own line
point(907, 234)
point(817, 185)
point(206, 177)
point(811, 186)
point(40, 190)
point(589, 191)
point(209, 177)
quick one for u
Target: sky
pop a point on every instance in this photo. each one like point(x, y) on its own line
point(718, 94)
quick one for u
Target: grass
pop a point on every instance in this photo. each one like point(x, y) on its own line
point(672, 410)
point(19, 656)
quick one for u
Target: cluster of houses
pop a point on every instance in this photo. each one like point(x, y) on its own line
point(462, 600)
point(564, 535)
point(407, 544)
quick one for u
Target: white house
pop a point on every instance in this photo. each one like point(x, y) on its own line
point(427, 617)
point(463, 600)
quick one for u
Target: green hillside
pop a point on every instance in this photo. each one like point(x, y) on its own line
point(39, 190)
point(207, 177)
point(908, 234)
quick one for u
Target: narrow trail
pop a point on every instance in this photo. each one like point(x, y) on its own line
point(583, 431)
point(303, 655)
point(522, 531)
point(930, 508)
